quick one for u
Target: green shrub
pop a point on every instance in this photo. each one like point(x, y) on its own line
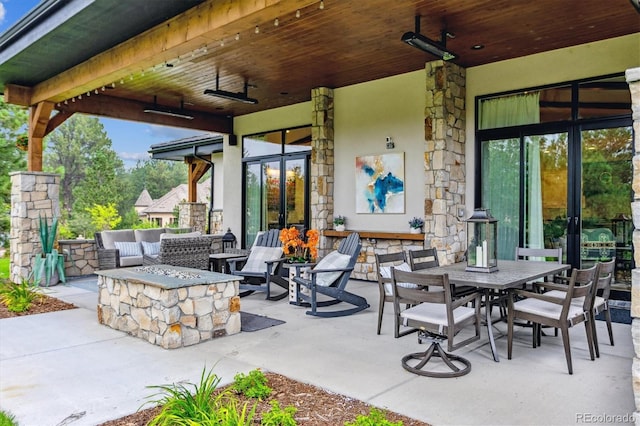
point(252, 386)
point(7, 419)
point(183, 408)
point(375, 418)
point(4, 267)
point(18, 297)
point(276, 416)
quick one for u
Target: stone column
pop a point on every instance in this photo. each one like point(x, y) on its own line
point(633, 78)
point(193, 215)
point(322, 163)
point(444, 160)
point(32, 194)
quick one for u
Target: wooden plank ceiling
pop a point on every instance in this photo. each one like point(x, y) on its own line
point(284, 48)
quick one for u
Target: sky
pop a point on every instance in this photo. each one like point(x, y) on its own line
point(131, 140)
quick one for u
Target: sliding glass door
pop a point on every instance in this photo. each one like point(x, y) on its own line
point(275, 195)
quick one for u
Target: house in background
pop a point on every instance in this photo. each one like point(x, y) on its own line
point(163, 210)
point(143, 201)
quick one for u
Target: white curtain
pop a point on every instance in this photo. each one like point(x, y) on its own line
point(509, 111)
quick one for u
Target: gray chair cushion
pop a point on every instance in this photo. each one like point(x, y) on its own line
point(110, 237)
point(130, 261)
point(185, 235)
point(150, 235)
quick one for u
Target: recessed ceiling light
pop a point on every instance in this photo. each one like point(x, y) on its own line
point(477, 47)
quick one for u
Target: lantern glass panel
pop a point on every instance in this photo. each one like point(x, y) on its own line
point(482, 239)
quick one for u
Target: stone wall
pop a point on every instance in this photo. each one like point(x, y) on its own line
point(365, 268)
point(33, 194)
point(81, 257)
point(172, 316)
point(216, 221)
point(444, 160)
point(192, 215)
point(322, 164)
point(633, 78)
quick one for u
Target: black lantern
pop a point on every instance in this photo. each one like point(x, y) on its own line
point(228, 241)
point(482, 242)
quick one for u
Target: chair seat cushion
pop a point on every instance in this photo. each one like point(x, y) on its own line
point(128, 248)
point(258, 256)
point(578, 301)
point(131, 261)
point(333, 260)
point(546, 309)
point(436, 313)
point(385, 272)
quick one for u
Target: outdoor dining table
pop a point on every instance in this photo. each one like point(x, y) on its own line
point(510, 274)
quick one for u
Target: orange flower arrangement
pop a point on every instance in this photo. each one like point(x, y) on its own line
point(295, 248)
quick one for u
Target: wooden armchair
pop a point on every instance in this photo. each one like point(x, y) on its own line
point(329, 278)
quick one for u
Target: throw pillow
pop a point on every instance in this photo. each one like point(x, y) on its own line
point(385, 271)
point(259, 255)
point(151, 249)
point(128, 249)
point(334, 260)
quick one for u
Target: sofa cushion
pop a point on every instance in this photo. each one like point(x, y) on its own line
point(110, 237)
point(150, 248)
point(131, 261)
point(128, 248)
point(185, 235)
point(150, 235)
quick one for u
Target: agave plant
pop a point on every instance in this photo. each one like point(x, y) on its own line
point(49, 261)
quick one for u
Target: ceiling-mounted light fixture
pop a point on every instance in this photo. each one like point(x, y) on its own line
point(161, 110)
point(240, 96)
point(437, 48)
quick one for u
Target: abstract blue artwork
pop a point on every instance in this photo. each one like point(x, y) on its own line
point(380, 183)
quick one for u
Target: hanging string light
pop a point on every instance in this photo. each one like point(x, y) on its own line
point(321, 7)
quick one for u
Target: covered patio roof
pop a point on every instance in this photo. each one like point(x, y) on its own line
point(120, 59)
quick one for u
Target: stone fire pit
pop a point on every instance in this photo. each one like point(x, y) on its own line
point(169, 306)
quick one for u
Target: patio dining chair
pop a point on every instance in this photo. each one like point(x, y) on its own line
point(384, 263)
point(440, 317)
point(428, 258)
point(542, 309)
point(599, 300)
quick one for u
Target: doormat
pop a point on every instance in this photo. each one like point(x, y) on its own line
point(252, 322)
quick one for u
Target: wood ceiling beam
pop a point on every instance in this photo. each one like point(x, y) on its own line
point(124, 109)
point(38, 121)
point(209, 21)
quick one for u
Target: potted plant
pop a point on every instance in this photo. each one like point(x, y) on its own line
point(48, 266)
point(415, 225)
point(338, 222)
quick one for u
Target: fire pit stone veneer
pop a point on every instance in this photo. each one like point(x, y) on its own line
point(169, 306)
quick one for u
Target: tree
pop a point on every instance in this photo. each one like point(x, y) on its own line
point(156, 176)
point(103, 182)
point(71, 151)
point(13, 123)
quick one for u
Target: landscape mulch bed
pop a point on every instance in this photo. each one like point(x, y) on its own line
point(315, 406)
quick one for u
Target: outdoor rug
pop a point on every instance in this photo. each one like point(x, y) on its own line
point(253, 322)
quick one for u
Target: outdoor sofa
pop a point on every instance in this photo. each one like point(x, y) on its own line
point(127, 247)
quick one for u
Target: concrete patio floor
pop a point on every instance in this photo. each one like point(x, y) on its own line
point(64, 368)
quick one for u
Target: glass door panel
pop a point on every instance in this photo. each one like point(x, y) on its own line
point(272, 194)
point(295, 183)
point(501, 190)
point(545, 191)
point(606, 227)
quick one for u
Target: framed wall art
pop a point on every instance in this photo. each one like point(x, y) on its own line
point(380, 183)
